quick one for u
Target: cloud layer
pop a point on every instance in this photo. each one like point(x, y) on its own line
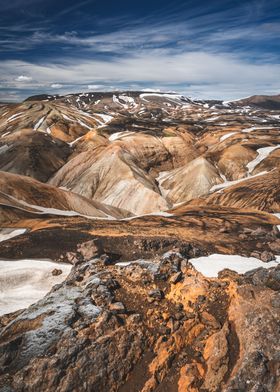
point(195, 73)
point(206, 51)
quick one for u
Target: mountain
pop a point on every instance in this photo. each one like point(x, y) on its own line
point(165, 212)
point(261, 101)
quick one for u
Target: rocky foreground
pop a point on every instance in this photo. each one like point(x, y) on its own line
point(150, 325)
point(129, 189)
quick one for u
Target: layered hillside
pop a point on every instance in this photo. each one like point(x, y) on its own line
point(167, 211)
point(143, 152)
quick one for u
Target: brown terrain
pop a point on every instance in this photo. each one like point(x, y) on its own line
point(129, 188)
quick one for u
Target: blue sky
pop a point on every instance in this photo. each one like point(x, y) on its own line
point(206, 49)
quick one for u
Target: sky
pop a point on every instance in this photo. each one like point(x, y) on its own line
point(224, 49)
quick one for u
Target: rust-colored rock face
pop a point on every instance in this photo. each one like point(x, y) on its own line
point(106, 329)
point(167, 211)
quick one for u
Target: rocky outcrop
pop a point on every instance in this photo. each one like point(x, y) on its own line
point(105, 329)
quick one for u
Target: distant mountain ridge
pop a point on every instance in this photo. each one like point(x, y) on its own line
point(271, 102)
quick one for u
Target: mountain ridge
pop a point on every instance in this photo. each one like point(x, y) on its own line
point(166, 212)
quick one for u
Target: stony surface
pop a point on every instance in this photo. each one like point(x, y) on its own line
point(99, 331)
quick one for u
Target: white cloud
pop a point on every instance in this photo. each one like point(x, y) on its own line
point(95, 86)
point(195, 73)
point(56, 85)
point(23, 78)
point(155, 90)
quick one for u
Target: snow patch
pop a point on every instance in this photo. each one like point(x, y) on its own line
point(39, 123)
point(262, 154)
point(246, 130)
point(83, 124)
point(14, 117)
point(224, 137)
point(123, 263)
point(227, 184)
point(120, 135)
point(175, 98)
point(211, 265)
point(24, 282)
point(105, 117)
point(6, 234)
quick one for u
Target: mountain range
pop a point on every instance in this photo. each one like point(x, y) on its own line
point(135, 190)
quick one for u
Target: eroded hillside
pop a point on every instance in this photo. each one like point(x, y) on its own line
point(133, 189)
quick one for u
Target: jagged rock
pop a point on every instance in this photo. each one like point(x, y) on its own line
point(71, 257)
point(256, 254)
point(267, 256)
point(88, 250)
point(276, 231)
point(117, 307)
point(275, 246)
point(175, 278)
point(103, 320)
point(157, 294)
point(56, 272)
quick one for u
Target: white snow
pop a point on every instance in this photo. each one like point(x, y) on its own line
point(212, 118)
point(159, 213)
point(128, 100)
point(6, 133)
point(83, 124)
point(172, 97)
point(120, 135)
point(74, 141)
point(6, 234)
point(151, 90)
point(39, 123)
point(14, 117)
point(263, 153)
point(256, 128)
point(125, 101)
point(224, 137)
point(24, 282)
point(277, 216)
point(101, 118)
point(116, 100)
point(123, 263)
point(67, 118)
point(105, 117)
point(235, 100)
point(227, 184)
point(211, 265)
point(55, 211)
